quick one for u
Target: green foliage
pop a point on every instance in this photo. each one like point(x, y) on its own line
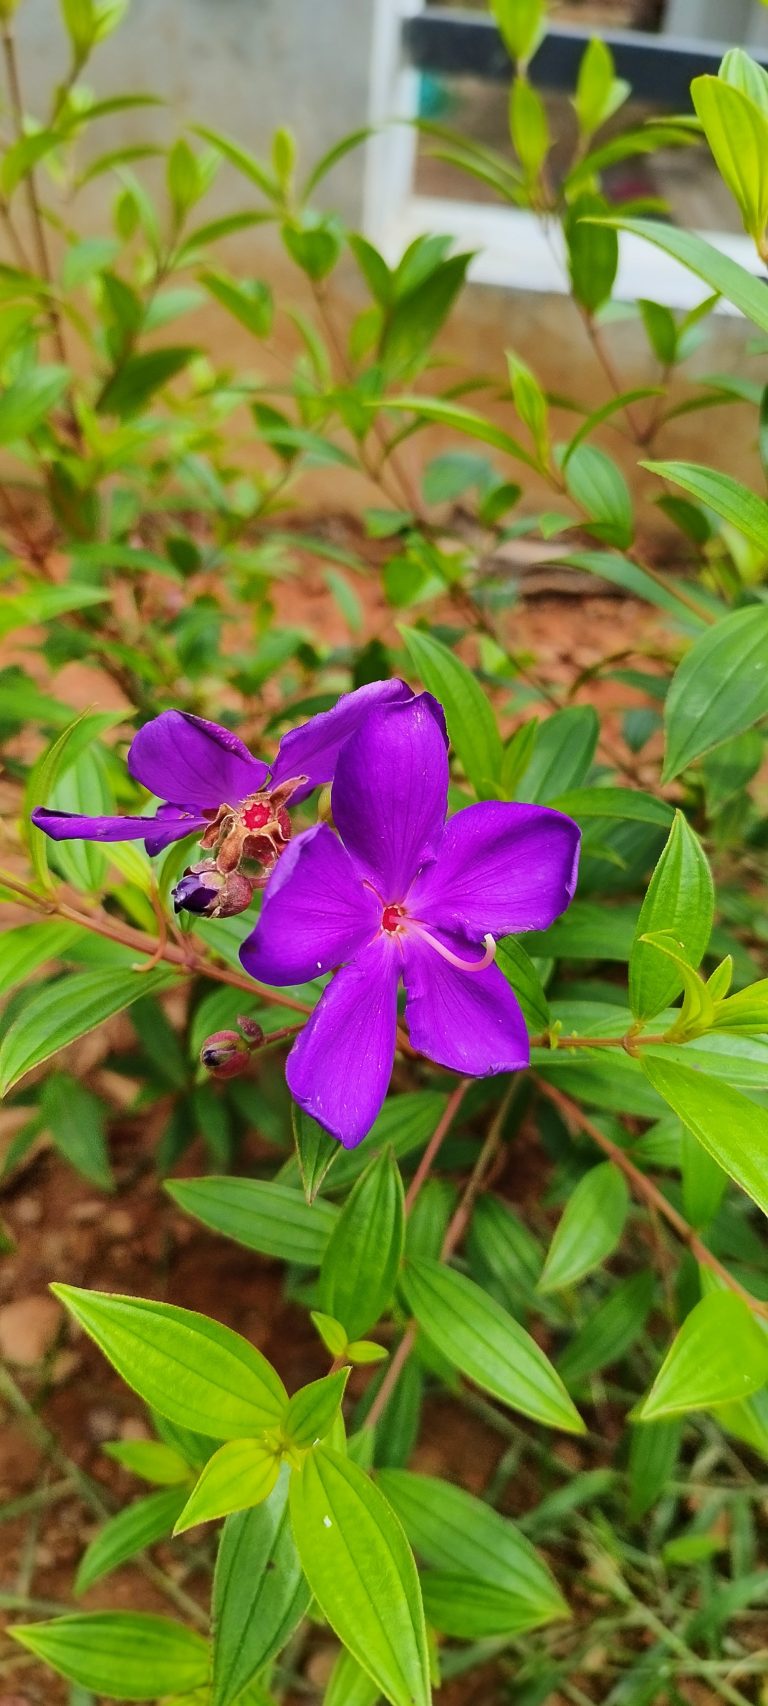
point(518, 1244)
point(344, 1529)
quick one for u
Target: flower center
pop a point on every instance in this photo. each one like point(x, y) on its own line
point(255, 816)
point(395, 920)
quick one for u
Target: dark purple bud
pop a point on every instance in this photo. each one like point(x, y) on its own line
point(224, 1055)
point(251, 1030)
point(198, 890)
point(211, 893)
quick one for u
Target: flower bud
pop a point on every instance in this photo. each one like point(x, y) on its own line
point(211, 893)
point(224, 1055)
point(251, 1029)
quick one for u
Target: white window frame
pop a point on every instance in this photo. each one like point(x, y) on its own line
point(515, 249)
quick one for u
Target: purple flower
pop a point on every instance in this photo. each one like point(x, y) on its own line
point(215, 788)
point(404, 894)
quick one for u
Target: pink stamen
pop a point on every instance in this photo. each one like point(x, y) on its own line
point(447, 953)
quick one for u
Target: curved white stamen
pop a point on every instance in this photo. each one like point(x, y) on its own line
point(447, 953)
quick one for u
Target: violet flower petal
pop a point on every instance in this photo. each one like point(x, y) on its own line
point(315, 913)
point(73, 826)
point(389, 794)
point(468, 1021)
point(312, 749)
point(172, 824)
point(500, 868)
point(340, 1066)
point(181, 757)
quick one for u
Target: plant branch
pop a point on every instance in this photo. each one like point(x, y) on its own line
point(456, 1228)
point(30, 187)
point(192, 963)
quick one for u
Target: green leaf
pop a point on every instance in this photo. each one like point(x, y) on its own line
point(461, 420)
point(609, 1331)
point(133, 383)
point(653, 1454)
point(717, 270)
point(313, 1410)
point(521, 974)
point(597, 485)
point(720, 688)
point(733, 1130)
point(125, 1655)
point(249, 301)
point(415, 318)
point(151, 1459)
point(468, 713)
point(680, 900)
point(348, 1540)
point(501, 1245)
point(131, 1531)
point(737, 133)
point(592, 251)
point(360, 1265)
point(486, 1344)
point(727, 497)
point(599, 93)
point(44, 604)
point(47, 770)
point(590, 1227)
point(349, 1685)
point(744, 73)
point(464, 1537)
point(242, 160)
point(529, 129)
point(563, 752)
point(704, 1182)
point(77, 1123)
point(608, 565)
point(60, 1012)
point(626, 804)
point(240, 1474)
point(316, 1150)
point(29, 399)
point(26, 947)
point(263, 1215)
point(259, 1593)
point(744, 1014)
point(189, 1368)
point(522, 24)
point(719, 1355)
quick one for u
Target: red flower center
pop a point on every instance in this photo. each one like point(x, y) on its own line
point(255, 817)
point(391, 917)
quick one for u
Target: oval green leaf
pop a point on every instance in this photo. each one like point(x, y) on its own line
point(680, 900)
point(259, 1593)
point(486, 1344)
point(590, 1227)
point(125, 1655)
point(733, 1130)
point(263, 1215)
point(349, 1538)
point(719, 1355)
point(189, 1368)
point(719, 690)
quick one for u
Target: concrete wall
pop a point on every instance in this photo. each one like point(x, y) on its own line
point(240, 66)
